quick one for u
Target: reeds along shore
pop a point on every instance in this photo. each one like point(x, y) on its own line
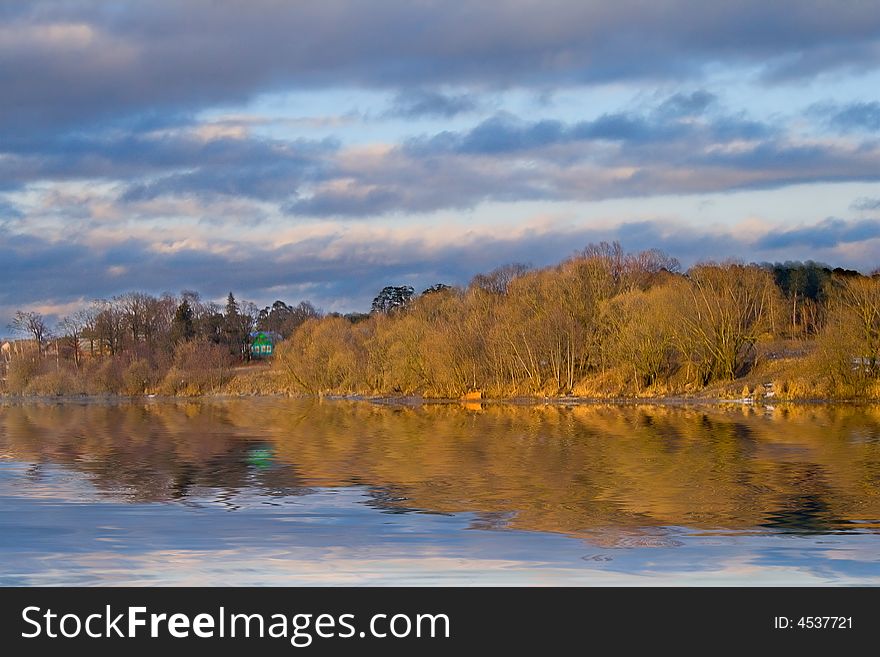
point(603, 323)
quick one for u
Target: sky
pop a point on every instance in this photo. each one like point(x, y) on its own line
point(322, 149)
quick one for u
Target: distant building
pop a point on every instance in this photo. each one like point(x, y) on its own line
point(263, 343)
point(90, 347)
point(18, 347)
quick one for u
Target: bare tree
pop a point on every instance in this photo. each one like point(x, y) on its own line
point(32, 324)
point(75, 327)
point(731, 306)
point(857, 305)
point(498, 280)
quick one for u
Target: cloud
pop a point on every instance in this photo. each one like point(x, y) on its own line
point(672, 119)
point(817, 58)
point(681, 105)
point(9, 211)
point(115, 97)
point(72, 64)
point(857, 116)
point(171, 162)
point(682, 144)
point(502, 165)
point(342, 268)
point(866, 203)
point(416, 103)
point(826, 234)
point(686, 144)
point(846, 118)
point(394, 181)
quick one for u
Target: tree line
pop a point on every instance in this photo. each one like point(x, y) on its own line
point(603, 322)
point(136, 342)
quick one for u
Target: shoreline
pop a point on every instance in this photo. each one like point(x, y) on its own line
point(416, 400)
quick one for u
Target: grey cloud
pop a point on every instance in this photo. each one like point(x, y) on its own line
point(273, 180)
point(856, 56)
point(615, 155)
point(671, 120)
point(408, 179)
point(399, 182)
point(847, 117)
point(350, 203)
point(66, 63)
point(417, 103)
point(349, 274)
point(154, 165)
point(776, 163)
point(499, 135)
point(120, 87)
point(9, 211)
point(692, 104)
point(826, 234)
point(856, 116)
point(866, 203)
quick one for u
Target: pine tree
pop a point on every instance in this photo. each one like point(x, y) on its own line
point(234, 328)
point(182, 328)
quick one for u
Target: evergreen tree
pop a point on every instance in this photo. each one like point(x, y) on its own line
point(392, 298)
point(182, 328)
point(437, 287)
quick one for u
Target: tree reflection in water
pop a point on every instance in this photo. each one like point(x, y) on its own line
point(604, 472)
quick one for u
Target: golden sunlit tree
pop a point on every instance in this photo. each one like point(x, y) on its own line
point(729, 308)
point(849, 345)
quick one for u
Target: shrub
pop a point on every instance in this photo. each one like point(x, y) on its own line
point(199, 366)
point(137, 377)
point(105, 376)
point(20, 373)
point(59, 382)
point(322, 355)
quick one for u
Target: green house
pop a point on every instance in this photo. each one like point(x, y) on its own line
point(263, 343)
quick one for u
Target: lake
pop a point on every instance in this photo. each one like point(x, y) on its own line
point(277, 491)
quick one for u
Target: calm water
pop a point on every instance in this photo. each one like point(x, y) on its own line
point(278, 491)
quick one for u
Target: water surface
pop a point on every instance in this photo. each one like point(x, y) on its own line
point(288, 492)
